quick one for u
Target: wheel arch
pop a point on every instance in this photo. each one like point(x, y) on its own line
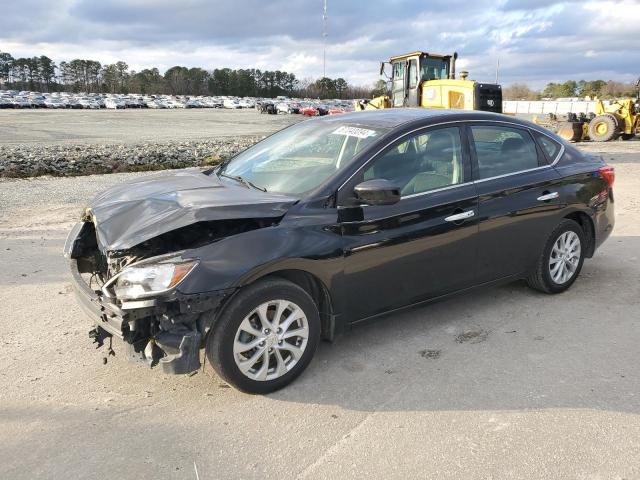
point(318, 291)
point(310, 283)
point(588, 227)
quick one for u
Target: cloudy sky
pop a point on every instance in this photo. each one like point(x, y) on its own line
point(536, 41)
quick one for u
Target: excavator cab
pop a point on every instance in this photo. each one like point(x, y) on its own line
point(422, 79)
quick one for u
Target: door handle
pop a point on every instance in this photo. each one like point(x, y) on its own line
point(460, 216)
point(548, 196)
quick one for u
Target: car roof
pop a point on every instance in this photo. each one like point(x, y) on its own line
point(392, 118)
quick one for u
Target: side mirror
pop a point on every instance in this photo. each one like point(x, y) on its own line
point(377, 192)
point(382, 69)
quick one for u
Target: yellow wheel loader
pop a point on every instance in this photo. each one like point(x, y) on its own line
point(617, 119)
point(422, 79)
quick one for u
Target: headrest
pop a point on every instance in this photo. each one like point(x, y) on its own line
point(511, 145)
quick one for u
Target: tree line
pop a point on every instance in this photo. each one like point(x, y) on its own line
point(571, 88)
point(40, 73)
point(82, 75)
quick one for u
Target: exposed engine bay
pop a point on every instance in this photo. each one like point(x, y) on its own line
point(103, 265)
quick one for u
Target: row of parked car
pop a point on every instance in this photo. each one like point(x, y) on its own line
point(306, 107)
point(25, 99)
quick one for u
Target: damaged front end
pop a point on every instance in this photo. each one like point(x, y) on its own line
point(134, 246)
point(132, 295)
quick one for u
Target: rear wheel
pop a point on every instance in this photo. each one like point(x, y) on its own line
point(561, 260)
point(627, 136)
point(603, 128)
point(265, 337)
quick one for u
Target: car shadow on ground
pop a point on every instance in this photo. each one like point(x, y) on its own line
point(505, 348)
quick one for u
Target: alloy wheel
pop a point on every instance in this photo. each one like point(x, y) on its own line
point(271, 340)
point(565, 257)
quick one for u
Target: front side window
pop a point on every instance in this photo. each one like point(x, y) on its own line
point(425, 161)
point(299, 158)
point(503, 150)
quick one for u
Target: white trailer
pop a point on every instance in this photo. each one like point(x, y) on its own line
point(544, 107)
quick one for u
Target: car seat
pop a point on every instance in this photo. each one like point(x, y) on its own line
point(395, 166)
point(517, 155)
point(438, 165)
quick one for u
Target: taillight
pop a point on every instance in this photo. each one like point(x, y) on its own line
point(608, 173)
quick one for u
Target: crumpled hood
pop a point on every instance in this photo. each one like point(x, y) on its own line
point(137, 211)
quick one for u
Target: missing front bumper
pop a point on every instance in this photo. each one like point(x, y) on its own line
point(167, 332)
point(177, 354)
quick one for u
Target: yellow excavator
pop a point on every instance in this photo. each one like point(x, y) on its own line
point(421, 79)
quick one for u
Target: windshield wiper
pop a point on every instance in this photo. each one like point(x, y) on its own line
point(243, 181)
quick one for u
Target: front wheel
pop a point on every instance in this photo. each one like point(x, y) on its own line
point(561, 259)
point(603, 128)
point(265, 337)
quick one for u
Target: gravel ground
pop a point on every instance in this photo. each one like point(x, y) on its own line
point(133, 126)
point(503, 383)
point(80, 142)
point(69, 160)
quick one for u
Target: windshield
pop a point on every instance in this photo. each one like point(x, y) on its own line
point(300, 158)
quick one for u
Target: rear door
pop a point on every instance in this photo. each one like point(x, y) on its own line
point(518, 198)
point(424, 245)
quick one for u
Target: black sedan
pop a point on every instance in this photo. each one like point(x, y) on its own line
point(328, 223)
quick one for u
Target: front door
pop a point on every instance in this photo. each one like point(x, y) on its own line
point(423, 246)
point(412, 84)
point(398, 84)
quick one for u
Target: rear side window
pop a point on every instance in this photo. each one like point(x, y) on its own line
point(503, 150)
point(550, 147)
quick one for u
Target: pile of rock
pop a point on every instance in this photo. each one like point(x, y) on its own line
point(65, 160)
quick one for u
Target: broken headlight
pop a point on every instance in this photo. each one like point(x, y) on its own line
point(145, 280)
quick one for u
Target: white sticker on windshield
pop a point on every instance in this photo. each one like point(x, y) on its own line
point(354, 132)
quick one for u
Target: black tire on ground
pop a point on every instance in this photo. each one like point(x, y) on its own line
point(540, 279)
point(219, 345)
point(603, 128)
point(627, 136)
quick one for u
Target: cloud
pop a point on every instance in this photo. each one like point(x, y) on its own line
point(536, 41)
point(533, 4)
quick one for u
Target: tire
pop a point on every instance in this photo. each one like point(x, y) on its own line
point(541, 278)
point(627, 136)
point(603, 128)
point(241, 316)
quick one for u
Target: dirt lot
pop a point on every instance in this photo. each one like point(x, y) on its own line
point(133, 125)
point(504, 383)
